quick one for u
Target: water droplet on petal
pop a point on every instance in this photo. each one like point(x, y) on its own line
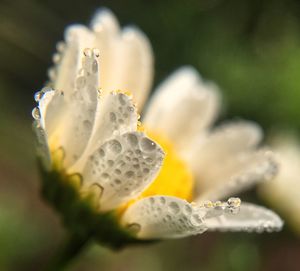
point(132, 140)
point(174, 207)
point(95, 66)
point(39, 95)
point(105, 177)
point(129, 174)
point(147, 145)
point(80, 82)
point(36, 113)
point(112, 117)
point(87, 124)
point(115, 146)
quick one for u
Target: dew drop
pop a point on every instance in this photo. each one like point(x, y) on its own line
point(96, 52)
point(146, 170)
point(36, 114)
point(87, 52)
point(174, 207)
point(117, 171)
point(95, 66)
point(122, 99)
point(110, 163)
point(60, 46)
point(87, 124)
point(162, 200)
point(117, 181)
point(132, 140)
point(101, 153)
point(105, 176)
point(147, 145)
point(112, 117)
point(56, 58)
point(129, 174)
point(39, 95)
point(115, 146)
point(134, 228)
point(80, 82)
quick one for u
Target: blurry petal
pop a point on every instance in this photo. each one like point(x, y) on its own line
point(283, 192)
point(182, 107)
point(77, 38)
point(133, 69)
point(123, 166)
point(225, 141)
point(228, 177)
point(159, 217)
point(126, 57)
point(251, 218)
point(104, 21)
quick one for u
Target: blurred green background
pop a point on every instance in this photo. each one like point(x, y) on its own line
point(250, 48)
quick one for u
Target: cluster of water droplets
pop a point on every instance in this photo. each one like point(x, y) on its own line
point(165, 217)
point(124, 165)
point(217, 208)
point(57, 58)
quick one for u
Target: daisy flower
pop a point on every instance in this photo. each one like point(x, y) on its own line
point(283, 192)
point(162, 178)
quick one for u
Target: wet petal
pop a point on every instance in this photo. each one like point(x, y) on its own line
point(126, 57)
point(76, 127)
point(123, 166)
point(43, 151)
point(77, 38)
point(50, 107)
point(251, 218)
point(182, 107)
point(115, 115)
point(228, 177)
point(160, 217)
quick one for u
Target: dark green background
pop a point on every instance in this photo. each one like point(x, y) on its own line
point(249, 48)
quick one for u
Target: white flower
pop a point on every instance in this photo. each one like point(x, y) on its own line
point(283, 192)
point(94, 129)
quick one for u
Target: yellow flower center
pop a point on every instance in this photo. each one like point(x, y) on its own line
point(175, 177)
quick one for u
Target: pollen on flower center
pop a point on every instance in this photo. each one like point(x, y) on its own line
point(175, 177)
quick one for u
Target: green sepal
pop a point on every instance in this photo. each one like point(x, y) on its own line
point(79, 214)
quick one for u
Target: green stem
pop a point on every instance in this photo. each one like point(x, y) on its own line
point(73, 246)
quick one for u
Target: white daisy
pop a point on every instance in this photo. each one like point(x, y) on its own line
point(283, 192)
point(163, 179)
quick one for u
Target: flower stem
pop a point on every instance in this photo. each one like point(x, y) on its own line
point(73, 246)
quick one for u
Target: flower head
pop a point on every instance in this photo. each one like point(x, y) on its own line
point(160, 179)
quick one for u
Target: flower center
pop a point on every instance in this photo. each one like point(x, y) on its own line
point(175, 177)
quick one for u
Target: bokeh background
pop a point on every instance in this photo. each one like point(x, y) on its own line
point(250, 48)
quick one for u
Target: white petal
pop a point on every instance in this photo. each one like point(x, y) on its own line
point(283, 192)
point(133, 64)
point(123, 166)
point(43, 151)
point(249, 218)
point(228, 177)
point(115, 115)
point(50, 104)
point(77, 38)
point(75, 129)
point(126, 57)
point(161, 217)
point(107, 34)
point(182, 107)
point(104, 20)
point(221, 145)
point(225, 141)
